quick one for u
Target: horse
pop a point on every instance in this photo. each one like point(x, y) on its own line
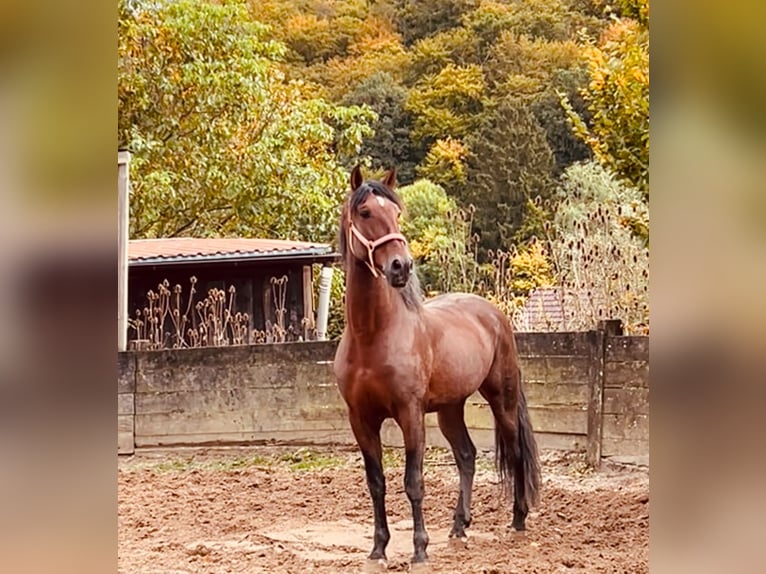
point(401, 357)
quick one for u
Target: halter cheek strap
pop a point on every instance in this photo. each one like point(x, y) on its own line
point(371, 245)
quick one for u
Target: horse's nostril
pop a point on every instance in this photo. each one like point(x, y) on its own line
point(396, 264)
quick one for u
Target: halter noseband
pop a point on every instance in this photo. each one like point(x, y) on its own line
point(371, 245)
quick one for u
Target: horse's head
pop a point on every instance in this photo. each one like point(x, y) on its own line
point(370, 228)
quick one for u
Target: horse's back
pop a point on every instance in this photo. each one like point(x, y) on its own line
point(464, 309)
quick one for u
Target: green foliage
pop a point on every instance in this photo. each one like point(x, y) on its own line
point(599, 260)
point(538, 59)
point(566, 147)
point(418, 19)
point(222, 143)
point(379, 52)
point(457, 46)
point(530, 269)
point(244, 117)
point(391, 146)
point(538, 70)
point(510, 164)
point(488, 21)
point(312, 38)
point(636, 9)
point(548, 19)
point(448, 104)
point(438, 233)
point(307, 460)
point(445, 164)
point(617, 97)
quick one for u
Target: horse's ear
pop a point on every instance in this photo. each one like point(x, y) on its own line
point(390, 179)
point(356, 178)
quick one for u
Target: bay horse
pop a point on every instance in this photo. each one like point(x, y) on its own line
point(401, 357)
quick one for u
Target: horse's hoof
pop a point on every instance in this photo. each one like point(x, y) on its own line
point(456, 543)
point(420, 568)
point(374, 565)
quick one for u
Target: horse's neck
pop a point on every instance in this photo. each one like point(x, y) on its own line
point(371, 304)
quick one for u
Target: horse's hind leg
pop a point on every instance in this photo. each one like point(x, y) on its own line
point(367, 435)
point(453, 428)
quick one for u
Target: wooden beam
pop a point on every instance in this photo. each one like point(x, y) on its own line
point(308, 297)
point(596, 401)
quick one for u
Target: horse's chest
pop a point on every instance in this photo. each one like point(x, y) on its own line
point(383, 385)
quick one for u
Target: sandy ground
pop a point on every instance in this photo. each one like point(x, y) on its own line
point(268, 509)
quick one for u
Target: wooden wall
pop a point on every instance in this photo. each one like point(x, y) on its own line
point(586, 392)
point(625, 432)
point(126, 392)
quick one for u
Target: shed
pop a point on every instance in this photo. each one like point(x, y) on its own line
point(267, 282)
point(559, 309)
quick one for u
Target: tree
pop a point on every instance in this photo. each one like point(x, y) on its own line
point(439, 236)
point(538, 71)
point(488, 20)
point(418, 19)
point(222, 143)
point(509, 165)
point(459, 46)
point(566, 147)
point(390, 146)
point(445, 163)
point(548, 19)
point(535, 58)
point(379, 51)
point(617, 97)
point(530, 269)
point(448, 104)
point(313, 38)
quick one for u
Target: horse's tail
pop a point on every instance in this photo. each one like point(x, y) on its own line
point(529, 457)
point(520, 460)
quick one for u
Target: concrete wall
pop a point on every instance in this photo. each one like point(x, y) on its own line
point(587, 391)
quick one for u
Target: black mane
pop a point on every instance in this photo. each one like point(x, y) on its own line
point(411, 293)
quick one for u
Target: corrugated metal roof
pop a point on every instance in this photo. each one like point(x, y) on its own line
point(193, 249)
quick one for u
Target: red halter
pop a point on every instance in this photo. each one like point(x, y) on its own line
point(371, 245)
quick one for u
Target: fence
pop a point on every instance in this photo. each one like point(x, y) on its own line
point(587, 391)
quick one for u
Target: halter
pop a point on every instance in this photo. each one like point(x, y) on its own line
point(371, 245)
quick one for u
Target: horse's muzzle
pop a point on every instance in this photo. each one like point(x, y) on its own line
point(398, 271)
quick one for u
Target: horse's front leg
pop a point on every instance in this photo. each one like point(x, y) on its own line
point(367, 436)
point(412, 423)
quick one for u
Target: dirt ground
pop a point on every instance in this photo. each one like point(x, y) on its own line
point(287, 510)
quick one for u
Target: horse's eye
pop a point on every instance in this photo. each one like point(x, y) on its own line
point(365, 214)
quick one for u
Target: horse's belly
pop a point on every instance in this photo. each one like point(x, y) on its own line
point(462, 360)
point(455, 378)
